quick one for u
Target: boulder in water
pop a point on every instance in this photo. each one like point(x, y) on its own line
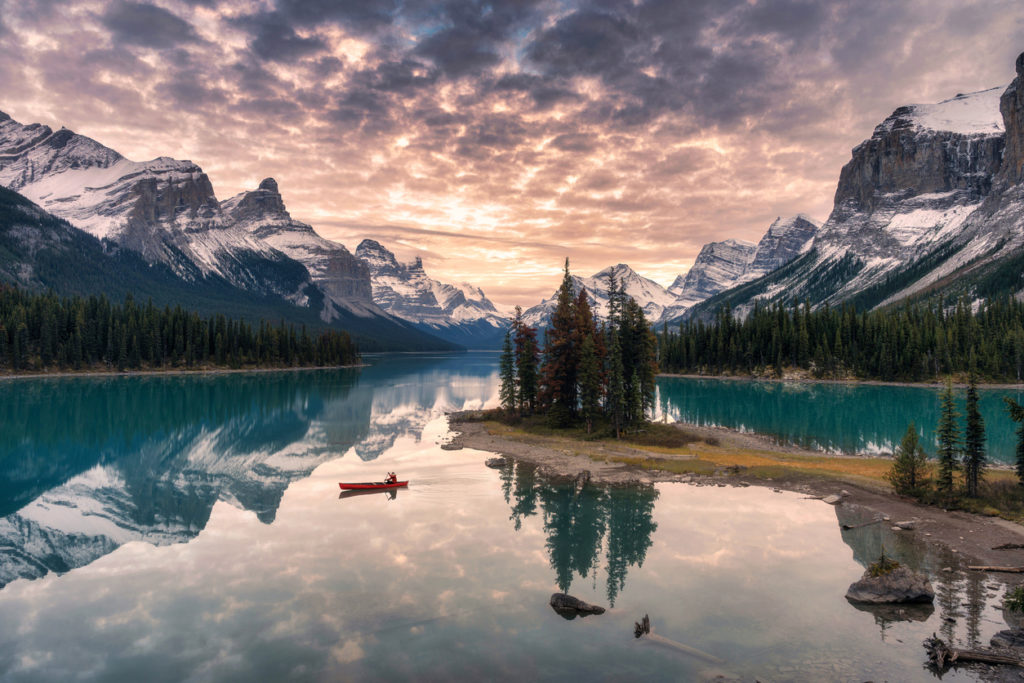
point(899, 585)
point(569, 607)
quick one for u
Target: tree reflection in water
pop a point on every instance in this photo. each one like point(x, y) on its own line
point(580, 521)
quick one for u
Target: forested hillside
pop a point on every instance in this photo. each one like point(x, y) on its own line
point(44, 331)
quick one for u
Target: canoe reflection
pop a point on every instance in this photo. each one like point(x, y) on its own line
point(390, 493)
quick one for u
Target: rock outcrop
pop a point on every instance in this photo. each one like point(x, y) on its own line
point(901, 585)
point(570, 607)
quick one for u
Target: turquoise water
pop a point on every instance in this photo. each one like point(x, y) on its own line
point(191, 528)
point(845, 418)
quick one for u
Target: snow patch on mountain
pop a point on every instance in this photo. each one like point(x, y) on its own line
point(974, 113)
point(460, 313)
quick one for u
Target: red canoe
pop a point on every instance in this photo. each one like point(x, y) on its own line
point(373, 485)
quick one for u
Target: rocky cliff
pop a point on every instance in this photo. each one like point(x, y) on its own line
point(931, 205)
point(461, 314)
point(344, 279)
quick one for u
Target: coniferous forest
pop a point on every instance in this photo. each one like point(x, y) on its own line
point(586, 371)
point(907, 344)
point(44, 331)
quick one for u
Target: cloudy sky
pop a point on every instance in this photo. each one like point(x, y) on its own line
point(496, 138)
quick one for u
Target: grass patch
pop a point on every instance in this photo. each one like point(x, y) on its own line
point(882, 566)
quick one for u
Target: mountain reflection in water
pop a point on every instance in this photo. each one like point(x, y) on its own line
point(88, 464)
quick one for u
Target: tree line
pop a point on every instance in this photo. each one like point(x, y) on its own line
point(960, 449)
point(44, 331)
point(910, 343)
point(587, 371)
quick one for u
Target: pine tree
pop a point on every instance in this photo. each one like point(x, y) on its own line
point(974, 440)
point(561, 356)
point(948, 433)
point(590, 381)
point(909, 472)
point(507, 393)
point(1017, 415)
point(526, 353)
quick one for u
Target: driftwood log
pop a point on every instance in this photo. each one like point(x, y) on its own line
point(1009, 546)
point(847, 527)
point(643, 629)
point(942, 656)
point(1010, 570)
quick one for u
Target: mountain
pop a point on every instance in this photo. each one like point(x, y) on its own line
point(651, 296)
point(461, 314)
point(342, 277)
point(164, 214)
point(930, 207)
point(722, 265)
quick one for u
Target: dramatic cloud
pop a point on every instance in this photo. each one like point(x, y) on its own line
point(494, 139)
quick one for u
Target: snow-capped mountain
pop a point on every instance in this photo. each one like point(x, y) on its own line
point(651, 296)
point(721, 265)
point(718, 266)
point(165, 209)
point(930, 205)
point(246, 256)
point(458, 313)
point(340, 275)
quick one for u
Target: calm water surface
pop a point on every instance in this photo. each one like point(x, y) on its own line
point(190, 528)
point(846, 418)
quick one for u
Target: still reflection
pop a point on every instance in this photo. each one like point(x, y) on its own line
point(89, 464)
point(582, 519)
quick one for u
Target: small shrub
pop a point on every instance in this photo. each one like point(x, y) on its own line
point(882, 566)
point(1014, 600)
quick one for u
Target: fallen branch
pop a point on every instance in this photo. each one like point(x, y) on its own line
point(1009, 546)
point(943, 656)
point(643, 629)
point(847, 527)
point(1009, 570)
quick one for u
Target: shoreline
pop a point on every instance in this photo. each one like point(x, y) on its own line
point(847, 382)
point(970, 537)
point(64, 374)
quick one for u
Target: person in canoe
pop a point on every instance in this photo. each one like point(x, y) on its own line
point(391, 478)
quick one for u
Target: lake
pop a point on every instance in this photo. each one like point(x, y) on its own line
point(842, 418)
point(169, 528)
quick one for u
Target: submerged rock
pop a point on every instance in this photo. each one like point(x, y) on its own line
point(497, 463)
point(570, 607)
point(900, 585)
point(1013, 637)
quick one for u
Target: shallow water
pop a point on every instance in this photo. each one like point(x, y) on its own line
point(207, 540)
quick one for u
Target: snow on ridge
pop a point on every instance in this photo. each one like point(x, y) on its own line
point(975, 113)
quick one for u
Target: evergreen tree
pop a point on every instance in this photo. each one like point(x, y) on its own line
point(590, 381)
point(527, 357)
point(561, 356)
point(1017, 415)
point(507, 393)
point(909, 472)
point(974, 440)
point(948, 434)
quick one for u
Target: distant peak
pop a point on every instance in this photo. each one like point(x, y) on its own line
point(368, 245)
point(269, 184)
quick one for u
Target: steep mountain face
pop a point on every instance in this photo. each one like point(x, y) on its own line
point(164, 209)
point(461, 314)
point(343, 278)
point(930, 205)
point(786, 239)
point(721, 265)
point(651, 296)
point(718, 266)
